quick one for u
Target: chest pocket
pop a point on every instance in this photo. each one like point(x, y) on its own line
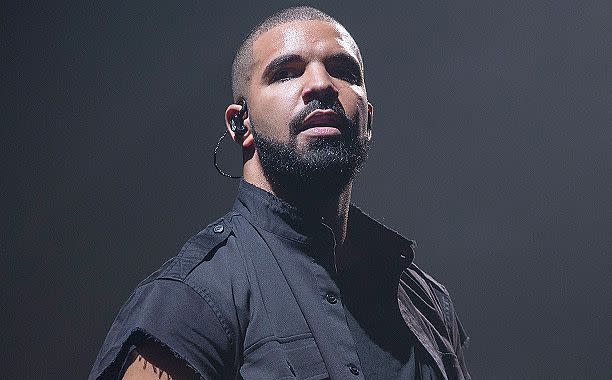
point(294, 357)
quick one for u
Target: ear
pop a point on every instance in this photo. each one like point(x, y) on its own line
point(370, 120)
point(245, 140)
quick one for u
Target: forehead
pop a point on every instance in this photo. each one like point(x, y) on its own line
point(310, 39)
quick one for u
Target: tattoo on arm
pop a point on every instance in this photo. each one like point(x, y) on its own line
point(156, 370)
point(152, 361)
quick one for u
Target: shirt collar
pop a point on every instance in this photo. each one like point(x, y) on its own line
point(274, 215)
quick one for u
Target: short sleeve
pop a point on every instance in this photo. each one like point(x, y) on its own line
point(173, 314)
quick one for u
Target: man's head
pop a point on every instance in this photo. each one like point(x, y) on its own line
point(243, 61)
point(308, 120)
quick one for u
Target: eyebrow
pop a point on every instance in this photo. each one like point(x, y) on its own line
point(279, 62)
point(344, 58)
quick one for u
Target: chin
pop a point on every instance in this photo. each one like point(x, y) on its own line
point(316, 168)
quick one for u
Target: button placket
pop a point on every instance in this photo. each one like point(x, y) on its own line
point(345, 352)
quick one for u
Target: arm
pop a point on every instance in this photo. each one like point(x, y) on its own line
point(152, 361)
point(172, 329)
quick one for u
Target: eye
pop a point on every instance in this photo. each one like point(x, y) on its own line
point(284, 74)
point(347, 74)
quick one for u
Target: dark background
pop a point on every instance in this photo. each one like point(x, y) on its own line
point(492, 149)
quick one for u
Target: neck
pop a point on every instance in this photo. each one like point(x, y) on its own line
point(332, 210)
point(330, 207)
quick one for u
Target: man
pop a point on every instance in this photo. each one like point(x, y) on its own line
point(294, 282)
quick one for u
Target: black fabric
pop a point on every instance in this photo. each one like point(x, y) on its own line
point(384, 343)
point(164, 311)
point(382, 355)
point(255, 295)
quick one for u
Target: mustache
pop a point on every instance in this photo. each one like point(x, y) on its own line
point(297, 122)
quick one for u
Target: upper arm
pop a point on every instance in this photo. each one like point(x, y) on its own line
point(152, 361)
point(170, 315)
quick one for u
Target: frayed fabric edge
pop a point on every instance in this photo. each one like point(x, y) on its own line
point(117, 367)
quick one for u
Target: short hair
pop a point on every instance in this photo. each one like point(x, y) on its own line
point(243, 61)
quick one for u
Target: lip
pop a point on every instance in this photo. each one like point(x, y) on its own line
point(321, 131)
point(322, 118)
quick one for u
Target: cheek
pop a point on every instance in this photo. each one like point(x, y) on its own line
point(355, 105)
point(269, 117)
point(274, 107)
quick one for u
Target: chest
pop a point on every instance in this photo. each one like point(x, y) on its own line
point(301, 322)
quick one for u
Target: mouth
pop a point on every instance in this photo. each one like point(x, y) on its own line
point(321, 123)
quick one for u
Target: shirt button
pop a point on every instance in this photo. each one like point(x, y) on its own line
point(354, 370)
point(218, 228)
point(331, 298)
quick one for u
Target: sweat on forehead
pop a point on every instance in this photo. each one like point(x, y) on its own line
point(243, 61)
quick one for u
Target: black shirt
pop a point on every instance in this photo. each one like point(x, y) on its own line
point(254, 296)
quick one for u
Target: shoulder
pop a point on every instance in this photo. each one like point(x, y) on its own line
point(426, 278)
point(200, 248)
point(211, 259)
point(186, 304)
point(428, 288)
point(210, 267)
point(213, 264)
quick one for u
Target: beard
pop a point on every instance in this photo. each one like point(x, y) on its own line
point(322, 167)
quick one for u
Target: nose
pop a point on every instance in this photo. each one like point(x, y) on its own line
point(318, 85)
